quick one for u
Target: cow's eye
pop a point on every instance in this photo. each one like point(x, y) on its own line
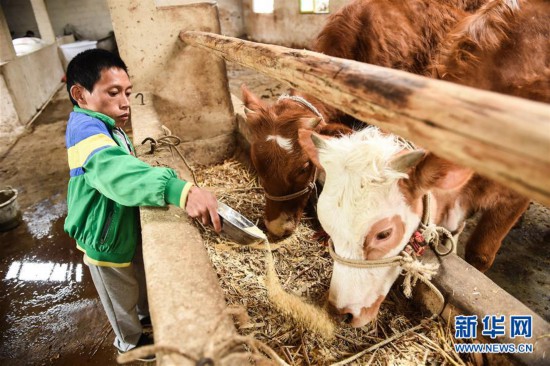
point(384, 234)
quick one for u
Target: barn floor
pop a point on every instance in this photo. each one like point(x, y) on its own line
point(49, 311)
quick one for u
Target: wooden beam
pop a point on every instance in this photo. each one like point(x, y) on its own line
point(502, 137)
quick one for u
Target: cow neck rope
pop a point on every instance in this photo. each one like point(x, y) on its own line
point(413, 269)
point(433, 234)
point(288, 197)
point(302, 101)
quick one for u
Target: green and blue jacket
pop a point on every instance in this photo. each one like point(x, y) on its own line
point(107, 184)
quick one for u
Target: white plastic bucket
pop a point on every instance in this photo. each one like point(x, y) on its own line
point(10, 215)
point(70, 50)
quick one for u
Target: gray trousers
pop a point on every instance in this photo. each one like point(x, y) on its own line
point(123, 294)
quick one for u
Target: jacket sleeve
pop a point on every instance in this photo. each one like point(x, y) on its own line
point(128, 181)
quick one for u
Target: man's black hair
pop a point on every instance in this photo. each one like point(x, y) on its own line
point(85, 68)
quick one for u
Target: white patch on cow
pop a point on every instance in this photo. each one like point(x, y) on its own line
point(454, 217)
point(361, 189)
point(283, 142)
point(281, 226)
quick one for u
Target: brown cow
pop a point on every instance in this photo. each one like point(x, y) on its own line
point(402, 34)
point(371, 202)
point(504, 47)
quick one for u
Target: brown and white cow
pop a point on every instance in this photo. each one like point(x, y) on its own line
point(371, 205)
point(372, 198)
point(284, 170)
point(400, 34)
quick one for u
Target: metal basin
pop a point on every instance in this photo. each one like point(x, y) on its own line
point(237, 227)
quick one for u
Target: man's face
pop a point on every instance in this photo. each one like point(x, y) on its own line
point(110, 95)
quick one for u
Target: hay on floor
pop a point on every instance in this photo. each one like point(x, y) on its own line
point(400, 336)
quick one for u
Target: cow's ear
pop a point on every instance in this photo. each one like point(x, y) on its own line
point(311, 123)
point(404, 161)
point(434, 172)
point(311, 143)
point(252, 104)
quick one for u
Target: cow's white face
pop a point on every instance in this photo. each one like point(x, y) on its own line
point(366, 215)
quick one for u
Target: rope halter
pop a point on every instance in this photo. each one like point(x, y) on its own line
point(302, 101)
point(413, 270)
point(310, 187)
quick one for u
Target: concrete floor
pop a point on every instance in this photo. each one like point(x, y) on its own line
point(50, 313)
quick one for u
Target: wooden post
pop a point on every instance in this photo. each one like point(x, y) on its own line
point(502, 137)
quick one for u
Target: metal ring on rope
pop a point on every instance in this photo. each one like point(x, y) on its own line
point(171, 141)
point(449, 242)
point(433, 233)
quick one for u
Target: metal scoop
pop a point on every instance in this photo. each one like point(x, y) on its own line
point(237, 227)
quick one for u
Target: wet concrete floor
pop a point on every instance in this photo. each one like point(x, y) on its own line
point(49, 310)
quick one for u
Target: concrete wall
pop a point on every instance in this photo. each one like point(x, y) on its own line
point(32, 79)
point(231, 18)
point(7, 52)
point(286, 26)
point(189, 86)
point(90, 17)
point(20, 17)
point(9, 120)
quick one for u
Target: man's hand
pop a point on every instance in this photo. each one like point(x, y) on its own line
point(202, 204)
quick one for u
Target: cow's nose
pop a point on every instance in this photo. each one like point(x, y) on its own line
point(340, 315)
point(353, 319)
point(281, 226)
point(347, 318)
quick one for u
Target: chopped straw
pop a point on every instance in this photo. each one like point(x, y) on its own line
point(401, 335)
